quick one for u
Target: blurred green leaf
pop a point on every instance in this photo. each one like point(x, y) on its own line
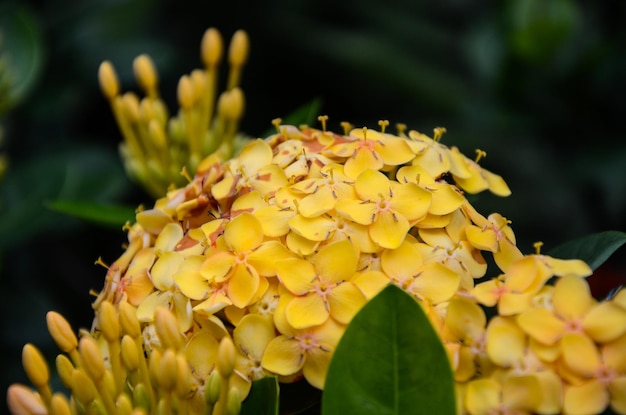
point(262, 399)
point(389, 361)
point(113, 216)
point(87, 173)
point(305, 114)
point(20, 54)
point(594, 249)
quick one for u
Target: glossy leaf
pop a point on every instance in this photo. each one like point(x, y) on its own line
point(594, 249)
point(389, 361)
point(106, 215)
point(262, 399)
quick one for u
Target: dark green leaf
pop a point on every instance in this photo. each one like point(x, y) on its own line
point(305, 114)
point(106, 215)
point(262, 399)
point(593, 249)
point(389, 361)
point(20, 54)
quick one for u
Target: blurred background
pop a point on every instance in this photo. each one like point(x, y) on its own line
point(539, 85)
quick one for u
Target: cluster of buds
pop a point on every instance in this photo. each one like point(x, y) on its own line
point(156, 147)
point(258, 264)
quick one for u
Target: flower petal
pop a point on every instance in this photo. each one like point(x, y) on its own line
point(296, 275)
point(589, 398)
point(307, 311)
point(401, 262)
point(345, 300)
point(253, 334)
point(265, 257)
point(336, 262)
point(389, 229)
point(605, 322)
point(572, 297)
point(505, 342)
point(243, 233)
point(580, 354)
point(362, 212)
point(435, 282)
point(243, 285)
point(542, 325)
point(283, 356)
point(482, 396)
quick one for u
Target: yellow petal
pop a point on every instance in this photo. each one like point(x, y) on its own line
point(522, 392)
point(243, 285)
point(192, 284)
point(505, 342)
point(217, 266)
point(362, 160)
point(410, 200)
point(243, 233)
point(605, 322)
point(201, 353)
point(464, 319)
point(345, 301)
point(371, 184)
point(265, 257)
point(253, 334)
point(145, 311)
point(572, 297)
point(164, 269)
point(389, 229)
point(313, 229)
point(337, 261)
point(551, 387)
point(580, 354)
point(316, 366)
point(274, 220)
point(436, 283)
point(512, 304)
point(371, 282)
point(300, 245)
point(613, 354)
point(589, 398)
point(171, 234)
point(402, 262)
point(542, 325)
point(482, 396)
point(487, 292)
point(283, 356)
point(496, 184)
point(563, 267)
point(445, 199)
point(307, 311)
point(617, 388)
point(255, 155)
point(317, 203)
point(296, 275)
point(357, 210)
point(394, 151)
point(484, 239)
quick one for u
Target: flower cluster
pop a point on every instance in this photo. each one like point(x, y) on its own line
point(258, 264)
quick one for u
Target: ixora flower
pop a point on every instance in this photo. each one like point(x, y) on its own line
point(258, 264)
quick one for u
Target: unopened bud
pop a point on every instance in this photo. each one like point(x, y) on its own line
point(145, 73)
point(109, 322)
point(35, 366)
point(59, 405)
point(65, 369)
point(238, 49)
point(226, 357)
point(61, 332)
point(91, 358)
point(83, 388)
point(128, 320)
point(107, 77)
point(212, 47)
point(23, 401)
point(167, 329)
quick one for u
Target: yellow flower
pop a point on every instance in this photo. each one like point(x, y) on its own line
point(322, 286)
point(389, 208)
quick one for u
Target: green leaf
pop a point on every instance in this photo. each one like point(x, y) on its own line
point(305, 114)
point(21, 54)
point(262, 399)
point(389, 361)
point(594, 249)
point(105, 215)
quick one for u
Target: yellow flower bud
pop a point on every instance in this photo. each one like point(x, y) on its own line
point(233, 405)
point(141, 397)
point(128, 320)
point(212, 388)
point(83, 388)
point(130, 354)
point(167, 370)
point(167, 329)
point(109, 322)
point(153, 366)
point(226, 357)
point(107, 77)
point(186, 95)
point(211, 47)
point(91, 358)
point(123, 405)
point(61, 332)
point(183, 377)
point(146, 73)
point(23, 401)
point(59, 405)
point(238, 49)
point(65, 368)
point(35, 366)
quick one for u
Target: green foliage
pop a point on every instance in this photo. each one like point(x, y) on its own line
point(20, 54)
point(263, 398)
point(113, 216)
point(386, 362)
point(594, 249)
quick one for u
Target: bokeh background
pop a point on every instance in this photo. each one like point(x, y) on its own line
point(539, 85)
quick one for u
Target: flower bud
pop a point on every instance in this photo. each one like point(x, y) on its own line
point(107, 77)
point(167, 370)
point(226, 357)
point(130, 354)
point(128, 320)
point(146, 73)
point(59, 405)
point(35, 366)
point(83, 388)
point(61, 332)
point(212, 47)
point(238, 49)
point(167, 329)
point(65, 368)
point(109, 321)
point(23, 401)
point(91, 358)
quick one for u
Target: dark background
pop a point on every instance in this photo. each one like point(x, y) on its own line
point(539, 85)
